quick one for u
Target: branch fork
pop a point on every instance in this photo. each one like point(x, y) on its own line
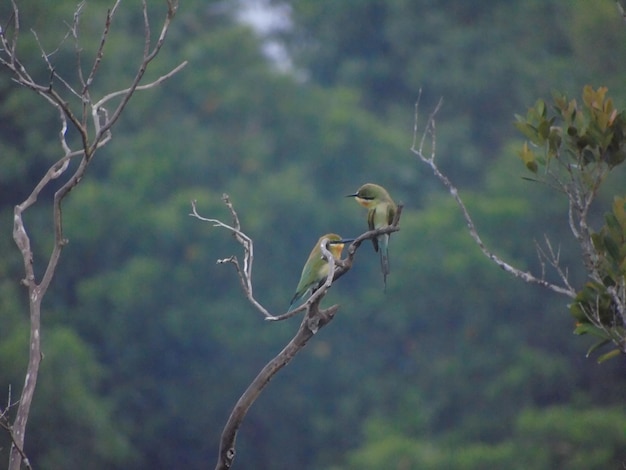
point(314, 318)
point(82, 113)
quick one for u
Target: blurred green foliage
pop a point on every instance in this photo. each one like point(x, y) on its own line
point(148, 343)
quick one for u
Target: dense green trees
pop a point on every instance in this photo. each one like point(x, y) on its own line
point(148, 343)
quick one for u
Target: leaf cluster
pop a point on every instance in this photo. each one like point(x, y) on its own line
point(598, 307)
point(577, 136)
point(576, 145)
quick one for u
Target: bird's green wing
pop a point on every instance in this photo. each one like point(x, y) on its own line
point(370, 223)
point(391, 213)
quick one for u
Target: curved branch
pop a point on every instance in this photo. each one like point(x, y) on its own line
point(245, 273)
point(418, 150)
point(100, 103)
point(314, 316)
point(313, 320)
point(148, 56)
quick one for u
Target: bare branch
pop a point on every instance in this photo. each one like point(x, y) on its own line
point(6, 425)
point(100, 52)
point(73, 32)
point(554, 260)
point(149, 55)
point(313, 320)
point(100, 103)
point(429, 132)
point(245, 274)
point(314, 317)
point(69, 114)
point(620, 9)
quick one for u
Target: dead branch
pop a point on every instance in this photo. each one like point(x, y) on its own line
point(429, 136)
point(102, 123)
point(314, 318)
point(311, 323)
point(5, 423)
point(620, 9)
point(244, 273)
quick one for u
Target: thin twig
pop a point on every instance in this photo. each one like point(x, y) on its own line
point(620, 8)
point(149, 55)
point(100, 52)
point(100, 103)
point(245, 274)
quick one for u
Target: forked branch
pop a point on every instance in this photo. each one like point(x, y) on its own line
point(314, 317)
point(71, 104)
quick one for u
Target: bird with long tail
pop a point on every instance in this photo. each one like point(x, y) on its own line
point(381, 210)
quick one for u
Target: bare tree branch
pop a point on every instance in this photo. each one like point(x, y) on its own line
point(74, 112)
point(429, 136)
point(314, 318)
point(554, 259)
point(99, 104)
point(620, 9)
point(5, 423)
point(245, 273)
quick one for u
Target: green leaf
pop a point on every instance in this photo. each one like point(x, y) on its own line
point(528, 157)
point(544, 129)
point(615, 158)
point(578, 313)
point(529, 131)
point(611, 354)
point(612, 248)
point(540, 108)
point(554, 141)
point(588, 328)
point(619, 210)
point(611, 222)
point(598, 241)
point(596, 346)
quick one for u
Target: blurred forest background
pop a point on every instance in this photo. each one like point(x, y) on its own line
point(148, 343)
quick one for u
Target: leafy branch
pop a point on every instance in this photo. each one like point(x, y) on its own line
point(571, 149)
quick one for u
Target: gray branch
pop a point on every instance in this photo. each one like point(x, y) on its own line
point(314, 318)
point(418, 148)
point(72, 112)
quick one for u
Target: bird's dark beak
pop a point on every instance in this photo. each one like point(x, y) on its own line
point(343, 241)
point(352, 195)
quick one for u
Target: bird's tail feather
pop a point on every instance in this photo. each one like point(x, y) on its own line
point(384, 257)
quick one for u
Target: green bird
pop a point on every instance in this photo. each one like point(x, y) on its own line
point(315, 270)
point(381, 211)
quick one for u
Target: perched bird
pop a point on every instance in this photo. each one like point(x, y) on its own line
point(315, 270)
point(381, 211)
